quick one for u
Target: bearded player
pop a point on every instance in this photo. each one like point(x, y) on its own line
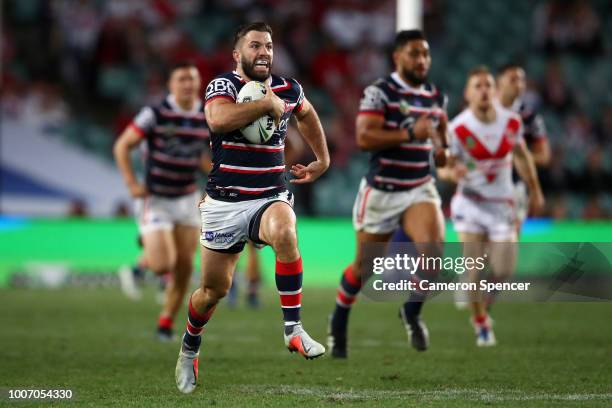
point(401, 121)
point(485, 139)
point(246, 196)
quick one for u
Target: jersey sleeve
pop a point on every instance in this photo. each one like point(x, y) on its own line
point(373, 101)
point(443, 101)
point(220, 88)
point(520, 134)
point(144, 121)
point(299, 102)
point(454, 145)
point(536, 130)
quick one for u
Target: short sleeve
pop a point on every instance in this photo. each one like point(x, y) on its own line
point(443, 102)
point(220, 88)
point(144, 121)
point(537, 128)
point(454, 145)
point(520, 133)
point(299, 103)
point(373, 100)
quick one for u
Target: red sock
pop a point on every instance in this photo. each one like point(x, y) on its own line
point(480, 320)
point(289, 284)
point(164, 322)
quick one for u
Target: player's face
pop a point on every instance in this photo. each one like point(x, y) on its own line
point(184, 83)
point(255, 55)
point(480, 91)
point(512, 83)
point(412, 61)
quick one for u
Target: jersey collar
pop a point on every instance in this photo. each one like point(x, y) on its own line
point(398, 79)
point(269, 81)
point(195, 109)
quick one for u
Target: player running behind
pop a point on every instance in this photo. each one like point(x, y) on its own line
point(176, 137)
point(401, 120)
point(485, 139)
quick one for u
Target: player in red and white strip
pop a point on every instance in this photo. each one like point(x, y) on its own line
point(485, 140)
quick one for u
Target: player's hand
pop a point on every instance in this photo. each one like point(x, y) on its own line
point(137, 190)
point(536, 202)
point(423, 128)
point(276, 104)
point(307, 174)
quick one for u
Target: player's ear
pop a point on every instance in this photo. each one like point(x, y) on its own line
point(236, 56)
point(395, 57)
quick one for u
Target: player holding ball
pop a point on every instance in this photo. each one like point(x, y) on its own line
point(246, 196)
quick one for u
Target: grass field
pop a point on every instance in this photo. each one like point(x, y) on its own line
point(101, 346)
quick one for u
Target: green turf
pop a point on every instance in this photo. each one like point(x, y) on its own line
point(100, 345)
point(327, 245)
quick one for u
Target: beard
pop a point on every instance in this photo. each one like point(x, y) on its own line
point(413, 78)
point(249, 69)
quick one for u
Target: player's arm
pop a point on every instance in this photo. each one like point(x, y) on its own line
point(371, 134)
point(527, 171)
point(128, 140)
point(224, 115)
point(206, 164)
point(440, 142)
point(540, 151)
point(453, 171)
point(310, 128)
point(370, 124)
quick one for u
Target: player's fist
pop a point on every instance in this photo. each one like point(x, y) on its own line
point(137, 190)
point(536, 202)
point(423, 128)
point(276, 105)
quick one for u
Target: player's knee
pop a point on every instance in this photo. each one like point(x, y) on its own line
point(161, 266)
point(184, 265)
point(284, 238)
point(214, 294)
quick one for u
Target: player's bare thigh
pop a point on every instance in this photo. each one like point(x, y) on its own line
point(159, 250)
point(277, 228)
point(423, 222)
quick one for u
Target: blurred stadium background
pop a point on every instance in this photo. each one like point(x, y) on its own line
point(73, 74)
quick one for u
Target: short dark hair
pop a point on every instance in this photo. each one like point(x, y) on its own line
point(402, 37)
point(477, 70)
point(246, 28)
point(179, 65)
point(507, 67)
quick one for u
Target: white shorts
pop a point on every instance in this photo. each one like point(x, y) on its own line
point(521, 198)
point(227, 226)
point(379, 212)
point(495, 219)
point(163, 213)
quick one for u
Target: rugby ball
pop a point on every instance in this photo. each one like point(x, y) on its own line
point(261, 130)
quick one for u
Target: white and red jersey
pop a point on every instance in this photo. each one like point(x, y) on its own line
point(486, 149)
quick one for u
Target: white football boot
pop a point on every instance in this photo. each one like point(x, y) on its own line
point(186, 373)
point(484, 333)
point(299, 341)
